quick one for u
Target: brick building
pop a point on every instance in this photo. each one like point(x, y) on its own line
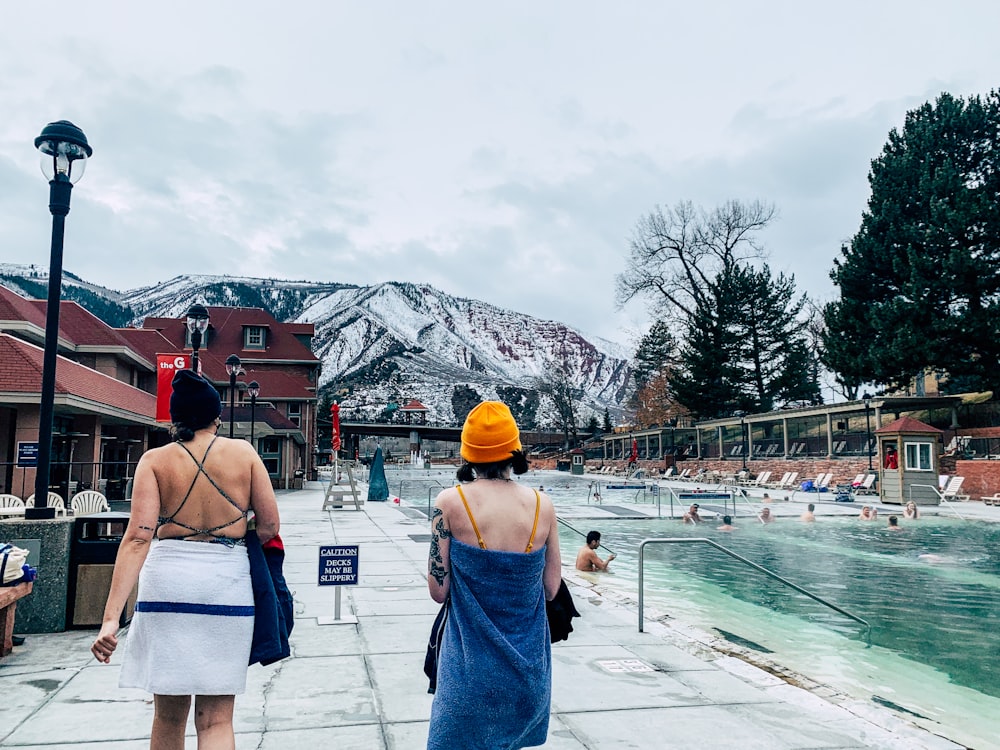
point(105, 396)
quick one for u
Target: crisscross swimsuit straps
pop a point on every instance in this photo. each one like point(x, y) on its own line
point(172, 518)
point(482, 544)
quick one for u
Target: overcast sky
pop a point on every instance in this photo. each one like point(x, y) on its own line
point(499, 151)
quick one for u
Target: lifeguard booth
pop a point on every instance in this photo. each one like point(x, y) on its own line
point(909, 453)
point(576, 457)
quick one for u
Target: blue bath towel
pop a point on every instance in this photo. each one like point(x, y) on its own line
point(495, 670)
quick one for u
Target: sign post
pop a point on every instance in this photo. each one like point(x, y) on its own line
point(338, 566)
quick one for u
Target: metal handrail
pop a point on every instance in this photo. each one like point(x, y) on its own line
point(429, 491)
point(693, 540)
point(940, 495)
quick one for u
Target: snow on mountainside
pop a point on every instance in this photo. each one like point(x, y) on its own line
point(396, 341)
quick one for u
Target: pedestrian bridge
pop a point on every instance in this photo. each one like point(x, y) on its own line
point(447, 433)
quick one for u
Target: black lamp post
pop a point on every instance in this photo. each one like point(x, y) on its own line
point(233, 368)
point(197, 324)
point(868, 427)
point(64, 150)
point(254, 391)
point(743, 434)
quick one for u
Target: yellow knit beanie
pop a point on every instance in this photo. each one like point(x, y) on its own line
point(490, 434)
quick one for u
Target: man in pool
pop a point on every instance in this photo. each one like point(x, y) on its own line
point(765, 515)
point(727, 524)
point(894, 524)
point(692, 514)
point(587, 559)
point(868, 513)
point(809, 516)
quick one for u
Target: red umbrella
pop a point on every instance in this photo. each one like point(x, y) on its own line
point(335, 416)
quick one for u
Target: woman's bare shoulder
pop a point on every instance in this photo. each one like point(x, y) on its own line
point(447, 497)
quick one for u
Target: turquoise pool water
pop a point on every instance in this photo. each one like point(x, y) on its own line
point(941, 611)
point(930, 592)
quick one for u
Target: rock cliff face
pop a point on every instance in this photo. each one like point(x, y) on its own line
point(396, 341)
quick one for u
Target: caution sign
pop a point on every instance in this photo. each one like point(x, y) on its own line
point(338, 565)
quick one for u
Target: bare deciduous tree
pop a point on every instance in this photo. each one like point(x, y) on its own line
point(675, 253)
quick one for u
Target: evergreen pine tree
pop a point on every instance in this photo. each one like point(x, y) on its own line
point(920, 281)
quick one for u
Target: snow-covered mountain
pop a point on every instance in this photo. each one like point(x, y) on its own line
point(396, 341)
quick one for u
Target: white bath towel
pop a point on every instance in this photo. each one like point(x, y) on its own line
point(193, 621)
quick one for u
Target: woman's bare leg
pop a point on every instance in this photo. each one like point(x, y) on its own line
point(169, 720)
point(213, 718)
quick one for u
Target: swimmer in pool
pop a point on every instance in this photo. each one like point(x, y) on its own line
point(727, 524)
point(910, 511)
point(931, 558)
point(692, 514)
point(894, 524)
point(765, 515)
point(587, 558)
point(868, 513)
point(808, 516)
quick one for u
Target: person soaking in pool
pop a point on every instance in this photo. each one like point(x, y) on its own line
point(494, 558)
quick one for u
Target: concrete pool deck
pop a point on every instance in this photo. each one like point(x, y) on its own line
point(361, 685)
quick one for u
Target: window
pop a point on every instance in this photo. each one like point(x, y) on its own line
point(295, 413)
point(253, 337)
point(918, 456)
point(270, 453)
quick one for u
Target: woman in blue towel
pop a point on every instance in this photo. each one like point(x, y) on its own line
point(194, 615)
point(494, 558)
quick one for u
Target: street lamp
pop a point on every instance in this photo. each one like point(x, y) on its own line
point(64, 150)
point(197, 324)
point(254, 390)
point(867, 397)
point(743, 435)
point(233, 368)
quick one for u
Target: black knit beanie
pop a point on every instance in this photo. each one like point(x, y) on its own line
point(194, 402)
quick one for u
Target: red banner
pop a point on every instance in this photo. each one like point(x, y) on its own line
point(167, 366)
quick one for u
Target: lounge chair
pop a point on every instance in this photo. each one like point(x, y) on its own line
point(953, 490)
point(780, 484)
point(993, 499)
point(760, 480)
point(856, 482)
point(867, 486)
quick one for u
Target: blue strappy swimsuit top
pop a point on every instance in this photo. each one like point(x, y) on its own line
point(172, 518)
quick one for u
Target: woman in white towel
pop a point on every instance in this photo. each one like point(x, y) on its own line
point(193, 621)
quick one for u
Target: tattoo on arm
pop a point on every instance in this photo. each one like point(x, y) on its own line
point(436, 561)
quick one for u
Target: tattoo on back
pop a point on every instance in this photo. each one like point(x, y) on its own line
point(435, 565)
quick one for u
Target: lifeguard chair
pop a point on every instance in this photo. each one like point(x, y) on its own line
point(909, 455)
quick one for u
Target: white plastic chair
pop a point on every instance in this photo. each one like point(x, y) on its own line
point(89, 501)
point(54, 501)
point(11, 503)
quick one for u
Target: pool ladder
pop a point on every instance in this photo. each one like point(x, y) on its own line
point(745, 561)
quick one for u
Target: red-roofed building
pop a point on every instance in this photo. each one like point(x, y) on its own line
point(105, 401)
point(278, 356)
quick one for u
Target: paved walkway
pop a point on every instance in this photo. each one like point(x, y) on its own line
point(361, 686)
